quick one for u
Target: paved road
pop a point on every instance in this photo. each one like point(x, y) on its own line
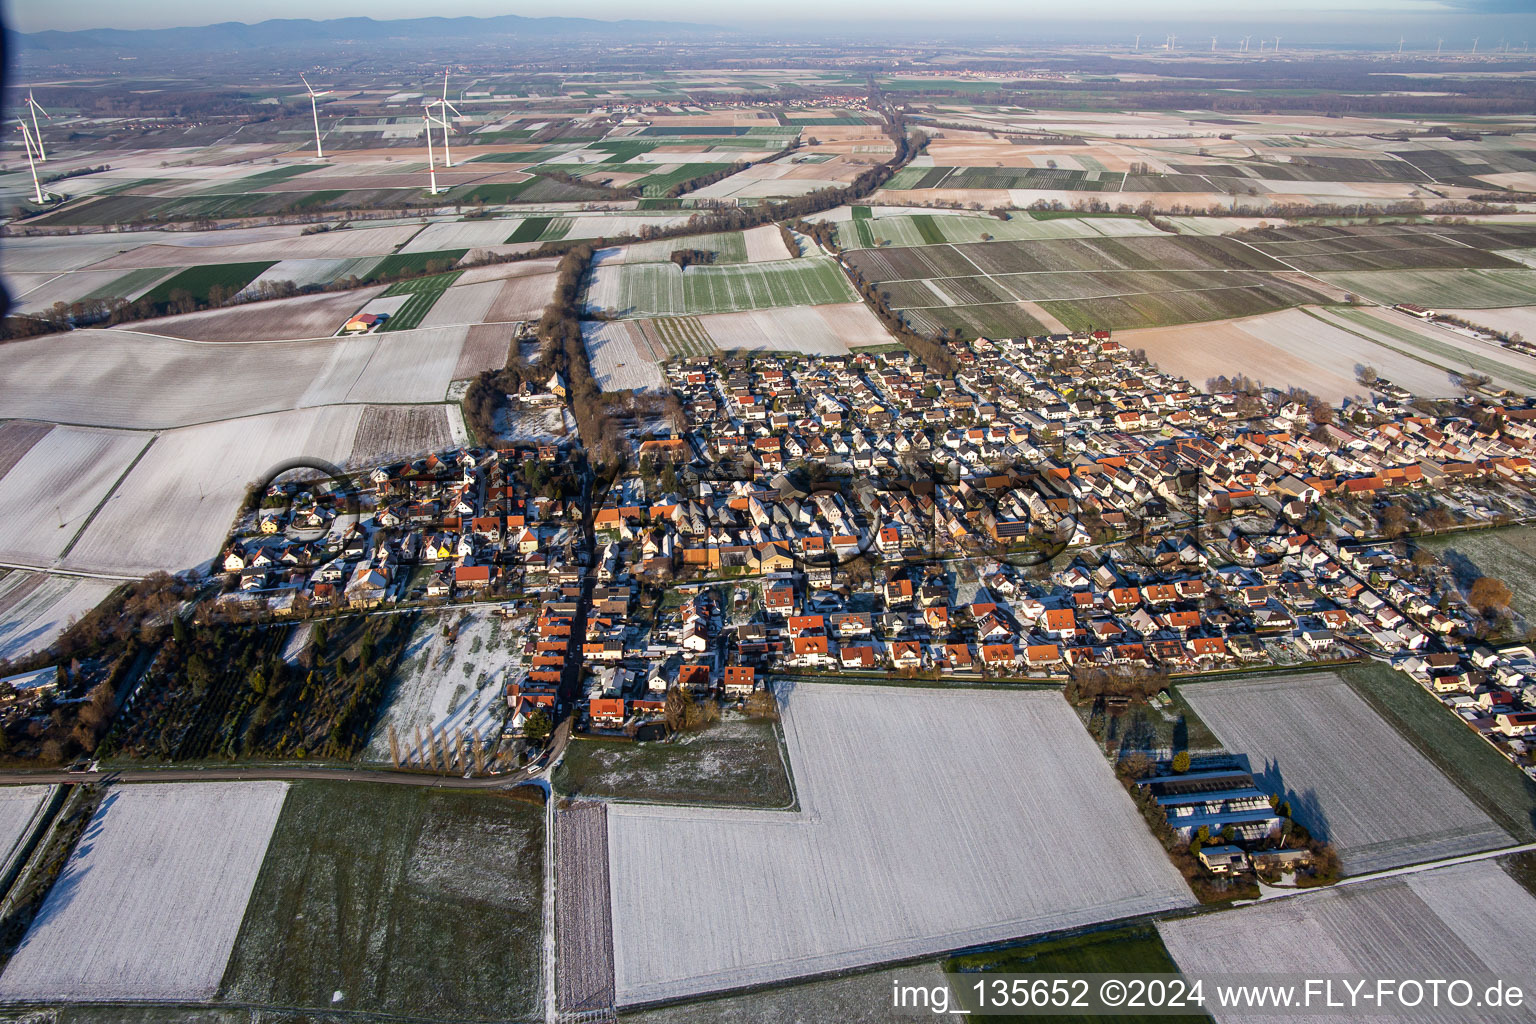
point(345, 773)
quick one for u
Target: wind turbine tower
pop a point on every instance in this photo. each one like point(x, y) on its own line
point(1213, 44)
point(1277, 44)
point(1137, 47)
point(37, 135)
point(443, 107)
point(1438, 44)
point(37, 189)
point(315, 113)
point(426, 117)
point(1474, 45)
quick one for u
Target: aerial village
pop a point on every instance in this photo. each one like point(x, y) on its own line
point(1058, 508)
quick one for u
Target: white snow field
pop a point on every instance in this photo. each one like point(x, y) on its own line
point(1349, 776)
point(19, 808)
point(174, 508)
point(149, 904)
point(1462, 921)
point(36, 607)
point(123, 379)
point(52, 490)
point(929, 820)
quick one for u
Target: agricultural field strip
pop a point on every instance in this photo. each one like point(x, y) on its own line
point(75, 470)
point(1472, 919)
point(1350, 777)
point(149, 907)
point(1457, 357)
point(970, 864)
point(36, 607)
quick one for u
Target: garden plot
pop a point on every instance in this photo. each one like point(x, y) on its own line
point(303, 316)
point(552, 423)
point(463, 304)
point(892, 855)
point(50, 493)
point(36, 607)
point(400, 432)
point(467, 234)
point(1285, 349)
point(621, 357)
point(149, 905)
point(441, 686)
point(176, 506)
point(1470, 921)
point(1351, 779)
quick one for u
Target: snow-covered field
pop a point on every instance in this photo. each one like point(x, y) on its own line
point(36, 607)
point(1468, 921)
point(375, 241)
point(1349, 776)
point(303, 316)
point(825, 330)
point(125, 379)
point(442, 686)
point(149, 905)
point(929, 821)
point(47, 496)
point(19, 806)
point(468, 234)
point(462, 304)
point(765, 243)
point(176, 506)
point(311, 271)
point(620, 356)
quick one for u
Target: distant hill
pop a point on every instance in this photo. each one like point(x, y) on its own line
point(289, 33)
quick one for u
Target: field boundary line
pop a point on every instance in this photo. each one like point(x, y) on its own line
point(91, 516)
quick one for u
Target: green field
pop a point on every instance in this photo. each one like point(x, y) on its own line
point(270, 176)
point(1137, 949)
point(529, 230)
point(198, 280)
point(1012, 177)
point(405, 900)
point(424, 293)
point(1497, 786)
point(735, 763)
point(664, 289)
point(657, 185)
point(413, 263)
point(1470, 289)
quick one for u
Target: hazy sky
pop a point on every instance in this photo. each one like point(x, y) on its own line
point(35, 15)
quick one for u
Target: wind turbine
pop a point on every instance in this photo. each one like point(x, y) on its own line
point(37, 189)
point(1400, 46)
point(1137, 47)
point(1474, 45)
point(426, 116)
point(443, 107)
point(37, 135)
point(1277, 44)
point(1213, 44)
point(315, 110)
point(1245, 43)
point(1438, 44)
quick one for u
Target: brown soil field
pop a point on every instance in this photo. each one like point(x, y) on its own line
point(306, 316)
point(399, 431)
point(16, 439)
point(485, 348)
